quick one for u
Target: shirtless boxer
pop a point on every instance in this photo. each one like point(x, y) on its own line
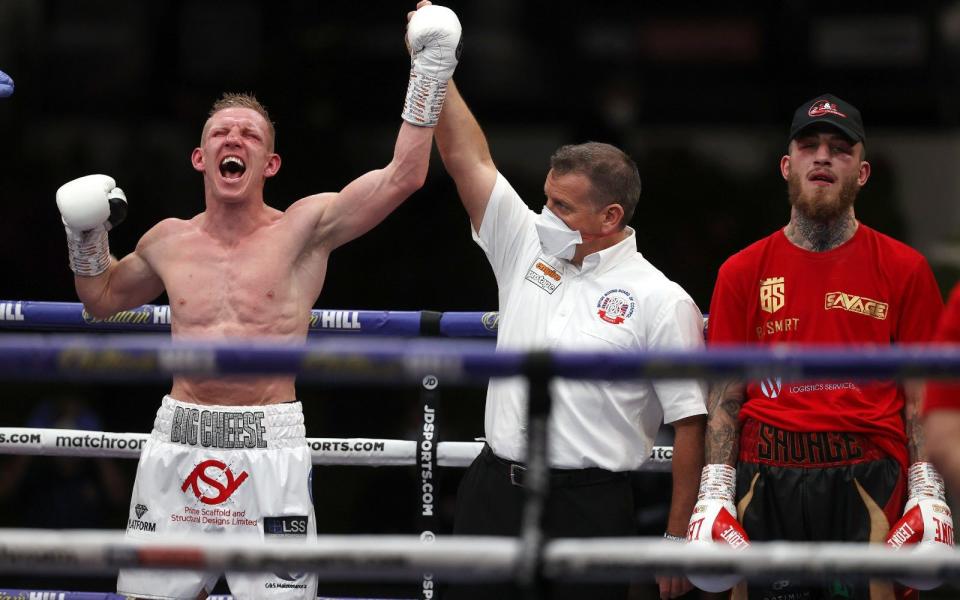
point(229, 455)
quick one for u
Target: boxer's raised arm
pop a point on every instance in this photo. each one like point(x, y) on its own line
point(433, 36)
point(367, 200)
point(89, 207)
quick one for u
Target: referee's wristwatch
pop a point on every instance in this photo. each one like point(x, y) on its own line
point(673, 538)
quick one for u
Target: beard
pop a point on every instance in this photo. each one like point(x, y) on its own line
point(822, 205)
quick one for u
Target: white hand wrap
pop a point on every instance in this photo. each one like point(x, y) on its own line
point(433, 36)
point(89, 251)
point(424, 101)
point(923, 481)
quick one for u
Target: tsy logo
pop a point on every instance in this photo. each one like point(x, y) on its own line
point(224, 491)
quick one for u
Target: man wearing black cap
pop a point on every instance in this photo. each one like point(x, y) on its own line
point(820, 460)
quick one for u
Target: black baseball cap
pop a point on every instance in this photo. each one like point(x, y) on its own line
point(827, 108)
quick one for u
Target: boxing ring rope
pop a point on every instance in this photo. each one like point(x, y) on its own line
point(404, 557)
point(71, 316)
point(346, 360)
point(81, 443)
point(528, 558)
point(103, 356)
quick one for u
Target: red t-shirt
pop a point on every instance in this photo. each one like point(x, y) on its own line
point(872, 290)
point(940, 394)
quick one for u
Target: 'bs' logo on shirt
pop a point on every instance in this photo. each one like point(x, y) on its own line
point(771, 294)
point(223, 491)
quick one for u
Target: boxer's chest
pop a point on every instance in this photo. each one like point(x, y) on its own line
point(251, 288)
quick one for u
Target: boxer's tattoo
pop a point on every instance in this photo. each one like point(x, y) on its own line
point(723, 427)
point(818, 236)
point(913, 392)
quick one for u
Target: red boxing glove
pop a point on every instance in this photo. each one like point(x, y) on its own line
point(927, 522)
point(714, 522)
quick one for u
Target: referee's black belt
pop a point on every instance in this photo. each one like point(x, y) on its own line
point(516, 472)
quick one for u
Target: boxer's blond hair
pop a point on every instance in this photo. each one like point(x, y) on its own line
point(241, 100)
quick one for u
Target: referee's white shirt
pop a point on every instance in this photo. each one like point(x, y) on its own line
point(615, 301)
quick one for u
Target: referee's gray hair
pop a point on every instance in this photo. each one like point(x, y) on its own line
point(612, 173)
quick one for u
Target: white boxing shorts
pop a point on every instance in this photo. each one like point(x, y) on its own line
point(238, 471)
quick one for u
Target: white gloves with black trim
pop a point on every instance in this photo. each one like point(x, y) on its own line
point(926, 522)
point(90, 207)
point(433, 37)
point(714, 521)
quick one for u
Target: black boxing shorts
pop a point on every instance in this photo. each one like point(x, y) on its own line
point(815, 486)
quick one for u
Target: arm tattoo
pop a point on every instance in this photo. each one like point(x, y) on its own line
point(723, 426)
point(916, 444)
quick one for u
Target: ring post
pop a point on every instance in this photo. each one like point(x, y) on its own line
point(538, 370)
point(428, 488)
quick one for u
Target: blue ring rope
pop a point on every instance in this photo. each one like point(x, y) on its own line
point(70, 316)
point(344, 359)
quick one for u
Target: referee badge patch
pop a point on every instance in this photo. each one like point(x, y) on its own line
point(616, 306)
point(543, 275)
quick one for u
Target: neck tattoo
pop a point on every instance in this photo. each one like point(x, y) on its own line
point(820, 236)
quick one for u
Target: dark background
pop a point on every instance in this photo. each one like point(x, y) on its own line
point(700, 96)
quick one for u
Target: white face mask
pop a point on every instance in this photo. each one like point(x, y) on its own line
point(556, 239)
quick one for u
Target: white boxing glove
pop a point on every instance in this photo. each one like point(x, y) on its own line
point(714, 523)
point(90, 207)
point(433, 37)
point(926, 522)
